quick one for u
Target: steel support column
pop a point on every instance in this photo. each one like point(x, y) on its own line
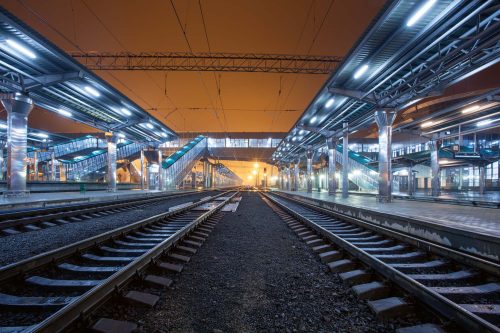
point(296, 175)
point(206, 181)
point(384, 120)
point(332, 165)
point(411, 180)
point(53, 166)
point(345, 161)
point(482, 180)
point(35, 166)
point(193, 179)
point(309, 157)
point(212, 176)
point(288, 177)
point(435, 182)
point(18, 109)
point(111, 141)
point(142, 169)
point(2, 166)
point(160, 171)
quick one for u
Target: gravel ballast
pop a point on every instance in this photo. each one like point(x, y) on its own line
point(253, 275)
point(21, 246)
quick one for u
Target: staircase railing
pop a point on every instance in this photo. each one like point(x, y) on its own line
point(361, 175)
point(178, 165)
point(83, 166)
point(69, 147)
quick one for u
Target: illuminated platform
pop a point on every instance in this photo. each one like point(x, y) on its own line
point(65, 198)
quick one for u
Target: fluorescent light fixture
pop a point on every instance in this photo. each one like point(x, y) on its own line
point(3, 126)
point(149, 125)
point(301, 132)
point(20, 48)
point(92, 91)
point(420, 12)
point(121, 135)
point(471, 109)
point(329, 102)
point(360, 71)
point(313, 120)
point(163, 134)
point(126, 111)
point(40, 135)
point(64, 112)
point(427, 124)
point(484, 122)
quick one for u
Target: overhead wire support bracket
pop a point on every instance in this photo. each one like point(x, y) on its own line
point(211, 62)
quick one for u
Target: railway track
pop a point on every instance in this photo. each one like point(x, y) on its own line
point(379, 262)
point(55, 291)
point(12, 223)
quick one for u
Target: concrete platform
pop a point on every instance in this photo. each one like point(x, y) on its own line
point(37, 200)
point(471, 229)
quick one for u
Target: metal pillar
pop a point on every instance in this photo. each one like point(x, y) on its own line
point(193, 179)
point(482, 180)
point(18, 109)
point(296, 173)
point(53, 166)
point(35, 166)
point(345, 161)
point(384, 120)
point(160, 171)
point(111, 140)
point(1, 164)
point(332, 163)
point(206, 181)
point(288, 177)
point(142, 169)
point(460, 178)
point(411, 180)
point(212, 176)
point(309, 157)
point(282, 177)
point(435, 182)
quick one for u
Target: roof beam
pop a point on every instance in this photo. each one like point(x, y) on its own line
point(355, 94)
point(49, 80)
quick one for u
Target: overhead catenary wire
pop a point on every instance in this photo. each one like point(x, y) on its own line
point(117, 40)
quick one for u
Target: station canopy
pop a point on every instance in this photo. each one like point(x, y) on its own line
point(32, 65)
point(412, 50)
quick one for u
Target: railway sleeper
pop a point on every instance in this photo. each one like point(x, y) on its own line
point(490, 312)
point(59, 283)
point(420, 266)
point(33, 302)
point(462, 276)
point(488, 292)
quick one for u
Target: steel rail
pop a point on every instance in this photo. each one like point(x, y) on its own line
point(66, 316)
point(35, 262)
point(442, 305)
point(22, 218)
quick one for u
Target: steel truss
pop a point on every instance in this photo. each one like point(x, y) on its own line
point(211, 62)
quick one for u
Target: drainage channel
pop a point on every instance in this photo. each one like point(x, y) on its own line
point(369, 257)
point(54, 291)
